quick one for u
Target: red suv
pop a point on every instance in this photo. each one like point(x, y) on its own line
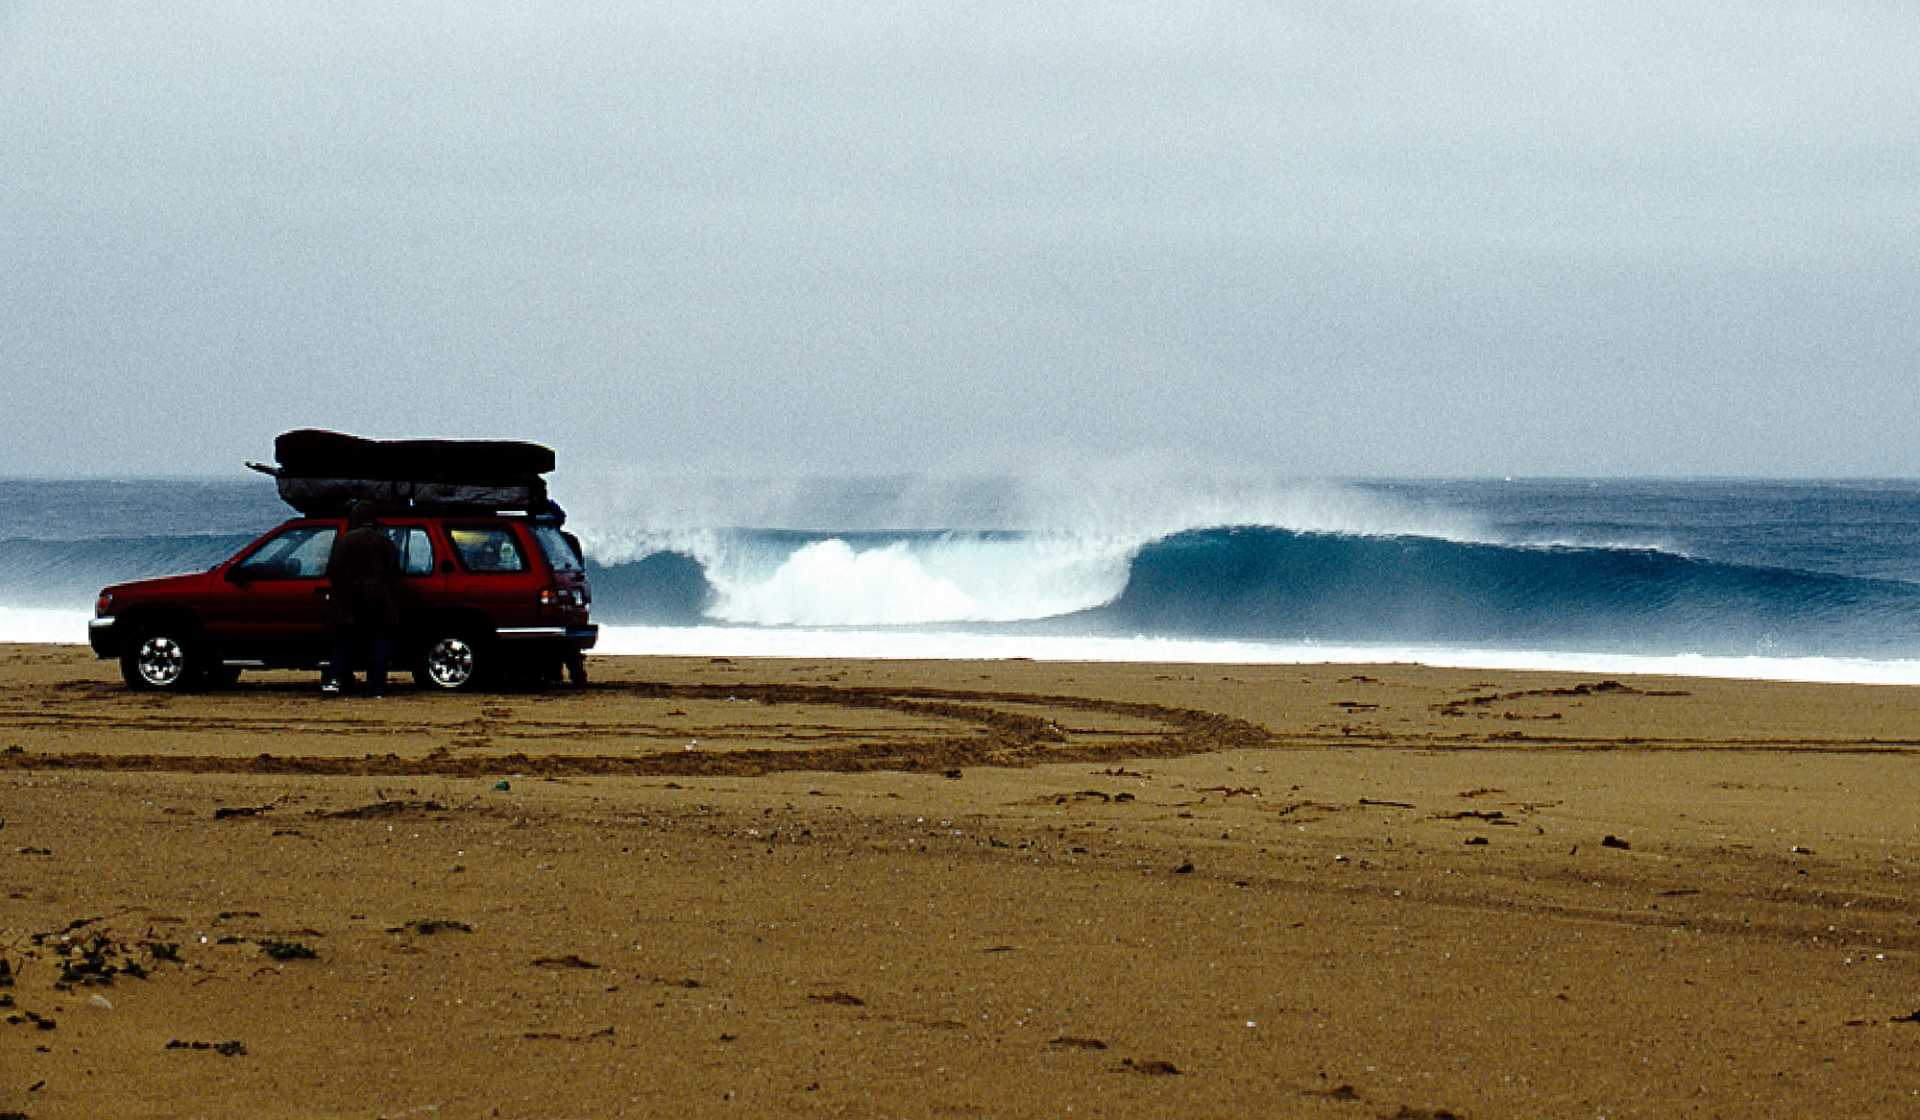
point(480, 595)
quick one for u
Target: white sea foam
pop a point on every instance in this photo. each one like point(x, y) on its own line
point(42, 626)
point(727, 641)
point(949, 579)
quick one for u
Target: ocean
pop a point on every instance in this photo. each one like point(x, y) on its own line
point(1754, 579)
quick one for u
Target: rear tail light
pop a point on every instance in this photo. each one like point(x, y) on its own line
point(103, 606)
point(562, 598)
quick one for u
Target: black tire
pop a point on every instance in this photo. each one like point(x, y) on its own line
point(453, 662)
point(163, 658)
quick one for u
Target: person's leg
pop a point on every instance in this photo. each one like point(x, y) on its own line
point(336, 667)
point(377, 663)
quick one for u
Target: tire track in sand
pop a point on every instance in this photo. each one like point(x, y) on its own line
point(902, 729)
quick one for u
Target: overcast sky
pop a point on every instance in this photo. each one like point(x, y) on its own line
point(1304, 239)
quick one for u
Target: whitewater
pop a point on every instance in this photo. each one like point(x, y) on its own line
point(1762, 580)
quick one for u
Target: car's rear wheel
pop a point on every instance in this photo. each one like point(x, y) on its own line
point(452, 662)
point(162, 659)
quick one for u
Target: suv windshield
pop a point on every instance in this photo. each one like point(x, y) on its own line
point(294, 554)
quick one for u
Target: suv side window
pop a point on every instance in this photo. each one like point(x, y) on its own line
point(416, 548)
point(488, 548)
point(300, 553)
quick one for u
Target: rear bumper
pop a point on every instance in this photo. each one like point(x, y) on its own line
point(570, 637)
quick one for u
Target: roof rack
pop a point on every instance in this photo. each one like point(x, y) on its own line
point(333, 497)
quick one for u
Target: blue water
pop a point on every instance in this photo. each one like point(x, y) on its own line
point(1440, 571)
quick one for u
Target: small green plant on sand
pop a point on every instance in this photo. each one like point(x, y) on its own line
point(287, 951)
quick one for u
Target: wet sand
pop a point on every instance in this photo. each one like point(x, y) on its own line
point(997, 889)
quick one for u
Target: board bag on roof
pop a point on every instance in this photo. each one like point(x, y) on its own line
point(310, 453)
point(322, 473)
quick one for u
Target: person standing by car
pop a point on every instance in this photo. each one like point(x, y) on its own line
point(364, 606)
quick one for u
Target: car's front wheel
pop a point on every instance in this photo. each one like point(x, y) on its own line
point(452, 662)
point(162, 659)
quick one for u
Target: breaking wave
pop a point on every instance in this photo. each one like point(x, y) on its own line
point(1266, 584)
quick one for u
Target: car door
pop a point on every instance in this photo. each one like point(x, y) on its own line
point(421, 578)
point(270, 603)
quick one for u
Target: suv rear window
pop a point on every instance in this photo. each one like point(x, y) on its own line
point(488, 548)
point(562, 555)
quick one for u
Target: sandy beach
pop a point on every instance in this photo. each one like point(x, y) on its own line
point(710, 887)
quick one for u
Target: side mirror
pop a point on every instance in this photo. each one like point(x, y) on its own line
point(446, 567)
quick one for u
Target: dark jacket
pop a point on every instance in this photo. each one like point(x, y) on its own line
point(365, 571)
